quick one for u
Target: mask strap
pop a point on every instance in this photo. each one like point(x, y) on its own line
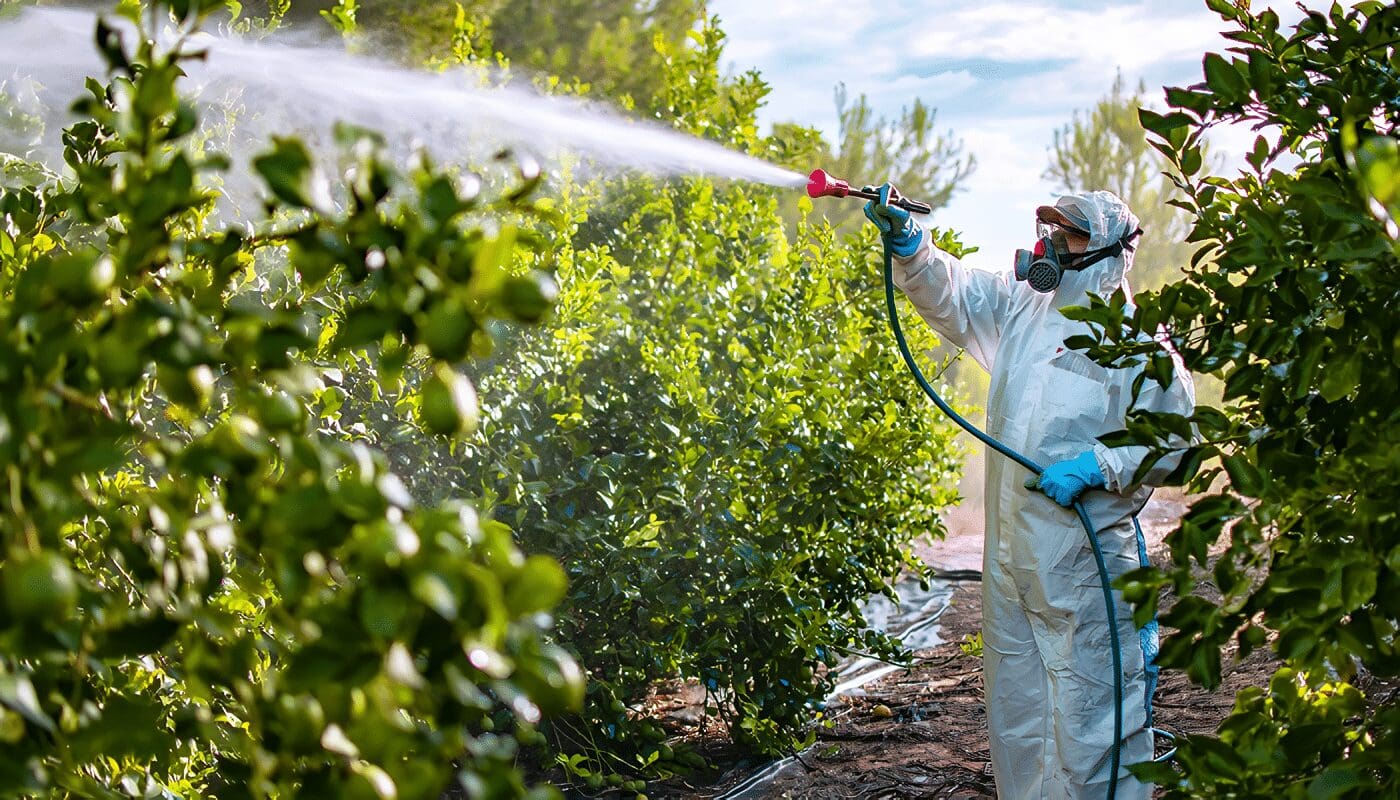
point(1115, 249)
point(1127, 241)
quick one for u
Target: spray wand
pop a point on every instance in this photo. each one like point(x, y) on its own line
point(822, 184)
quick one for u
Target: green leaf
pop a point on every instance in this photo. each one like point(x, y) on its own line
point(128, 726)
point(1259, 155)
point(1340, 379)
point(1202, 524)
point(363, 324)
point(440, 200)
point(1191, 160)
point(1245, 477)
point(1378, 166)
point(538, 586)
point(1339, 781)
point(435, 590)
point(1189, 466)
point(1359, 583)
point(1226, 78)
point(1197, 102)
point(289, 174)
point(1225, 8)
point(17, 694)
point(112, 47)
point(1151, 772)
point(343, 16)
point(1162, 124)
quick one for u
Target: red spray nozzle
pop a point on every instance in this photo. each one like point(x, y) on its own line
point(822, 184)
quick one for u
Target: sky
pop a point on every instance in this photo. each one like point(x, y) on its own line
point(1002, 74)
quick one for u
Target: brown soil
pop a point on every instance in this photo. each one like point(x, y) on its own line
point(922, 732)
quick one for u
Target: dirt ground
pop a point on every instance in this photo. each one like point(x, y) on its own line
point(922, 732)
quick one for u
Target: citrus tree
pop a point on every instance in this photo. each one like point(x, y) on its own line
point(208, 583)
point(717, 439)
point(713, 435)
point(1291, 301)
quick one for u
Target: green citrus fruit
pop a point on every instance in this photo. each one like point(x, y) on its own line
point(302, 720)
point(280, 411)
point(83, 276)
point(529, 298)
point(188, 387)
point(39, 587)
point(118, 361)
point(446, 330)
point(447, 403)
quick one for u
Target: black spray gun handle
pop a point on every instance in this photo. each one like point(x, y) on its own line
point(821, 184)
point(873, 193)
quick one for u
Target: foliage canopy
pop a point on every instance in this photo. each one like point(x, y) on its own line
point(1291, 301)
point(235, 461)
point(207, 586)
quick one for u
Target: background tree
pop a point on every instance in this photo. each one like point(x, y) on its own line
point(610, 47)
point(906, 151)
point(1107, 148)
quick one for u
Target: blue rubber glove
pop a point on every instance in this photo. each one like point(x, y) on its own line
point(1065, 480)
point(895, 224)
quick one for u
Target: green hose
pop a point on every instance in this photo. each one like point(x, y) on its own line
point(1035, 469)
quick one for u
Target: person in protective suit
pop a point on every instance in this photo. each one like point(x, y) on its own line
point(1047, 660)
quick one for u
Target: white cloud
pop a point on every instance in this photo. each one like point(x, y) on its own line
point(933, 89)
point(1124, 35)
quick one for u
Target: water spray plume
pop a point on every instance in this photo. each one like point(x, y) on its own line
point(292, 85)
point(823, 184)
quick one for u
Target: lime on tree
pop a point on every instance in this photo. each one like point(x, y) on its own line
point(39, 587)
point(447, 403)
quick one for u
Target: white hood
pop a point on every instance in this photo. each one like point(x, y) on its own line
point(1109, 220)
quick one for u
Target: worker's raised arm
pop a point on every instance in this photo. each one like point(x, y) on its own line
point(967, 307)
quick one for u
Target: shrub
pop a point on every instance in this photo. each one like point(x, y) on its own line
point(1291, 302)
point(208, 587)
point(717, 439)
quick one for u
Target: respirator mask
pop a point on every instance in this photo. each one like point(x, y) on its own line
point(1045, 266)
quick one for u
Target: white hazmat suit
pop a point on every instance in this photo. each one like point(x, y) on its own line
point(1047, 659)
